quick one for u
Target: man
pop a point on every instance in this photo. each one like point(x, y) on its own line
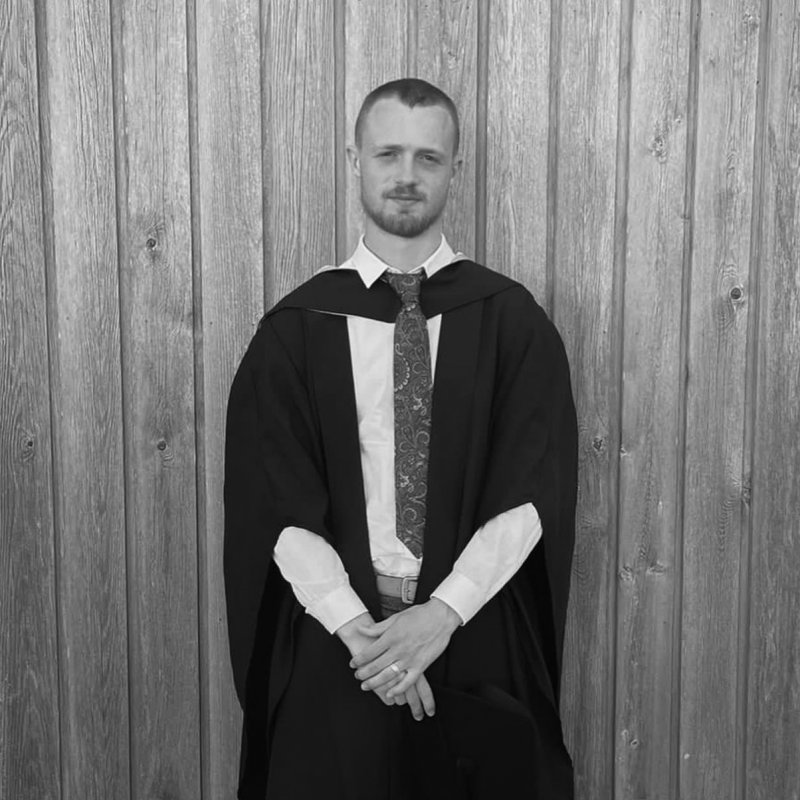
point(399, 494)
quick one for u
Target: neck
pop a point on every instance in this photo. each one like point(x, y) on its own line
point(399, 252)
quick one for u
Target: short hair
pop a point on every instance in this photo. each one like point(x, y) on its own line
point(410, 92)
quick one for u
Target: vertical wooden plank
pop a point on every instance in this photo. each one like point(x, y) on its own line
point(650, 466)
point(446, 55)
point(158, 396)
point(772, 768)
point(584, 312)
point(299, 136)
point(85, 385)
point(29, 719)
point(229, 274)
point(517, 141)
point(727, 71)
point(376, 39)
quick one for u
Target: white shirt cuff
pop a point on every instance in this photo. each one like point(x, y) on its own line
point(461, 594)
point(337, 608)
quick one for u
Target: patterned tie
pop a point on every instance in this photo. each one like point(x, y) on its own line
point(412, 410)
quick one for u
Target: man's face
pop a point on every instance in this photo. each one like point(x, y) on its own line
point(405, 164)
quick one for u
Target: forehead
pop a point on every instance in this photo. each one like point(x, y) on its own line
point(390, 121)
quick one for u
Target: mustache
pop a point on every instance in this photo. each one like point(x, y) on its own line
point(403, 194)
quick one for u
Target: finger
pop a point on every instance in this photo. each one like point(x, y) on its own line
point(414, 703)
point(392, 674)
point(394, 681)
point(411, 677)
point(389, 701)
point(425, 695)
point(381, 663)
point(369, 653)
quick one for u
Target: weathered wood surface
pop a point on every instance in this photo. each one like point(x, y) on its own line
point(773, 703)
point(586, 278)
point(648, 562)
point(445, 52)
point(715, 458)
point(518, 135)
point(299, 143)
point(158, 396)
point(620, 160)
point(229, 246)
point(29, 710)
point(86, 395)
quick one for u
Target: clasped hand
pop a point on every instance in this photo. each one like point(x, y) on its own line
point(400, 649)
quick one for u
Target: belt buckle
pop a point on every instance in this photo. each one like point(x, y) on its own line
point(408, 590)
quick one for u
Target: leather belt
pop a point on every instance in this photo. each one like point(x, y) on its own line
point(392, 586)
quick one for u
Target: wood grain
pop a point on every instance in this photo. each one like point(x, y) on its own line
point(584, 312)
point(621, 187)
point(86, 395)
point(517, 130)
point(158, 397)
point(376, 36)
point(446, 55)
point(29, 715)
point(650, 466)
point(773, 732)
point(727, 63)
point(229, 271)
point(299, 136)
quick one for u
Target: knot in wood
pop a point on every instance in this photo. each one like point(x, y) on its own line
point(658, 148)
point(27, 448)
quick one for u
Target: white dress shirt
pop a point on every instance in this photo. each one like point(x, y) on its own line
point(313, 568)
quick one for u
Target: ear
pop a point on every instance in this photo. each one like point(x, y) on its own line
point(457, 162)
point(354, 159)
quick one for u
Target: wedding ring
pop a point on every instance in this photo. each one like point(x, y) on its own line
point(394, 668)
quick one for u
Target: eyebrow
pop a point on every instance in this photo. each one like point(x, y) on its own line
point(431, 150)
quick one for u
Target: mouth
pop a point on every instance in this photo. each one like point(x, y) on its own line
point(404, 200)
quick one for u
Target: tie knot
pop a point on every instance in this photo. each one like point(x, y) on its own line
point(406, 284)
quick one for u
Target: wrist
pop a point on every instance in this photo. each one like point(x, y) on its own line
point(348, 633)
point(450, 618)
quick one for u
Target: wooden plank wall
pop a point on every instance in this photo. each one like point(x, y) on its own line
point(168, 170)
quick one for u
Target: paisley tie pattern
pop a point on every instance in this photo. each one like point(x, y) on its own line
point(412, 410)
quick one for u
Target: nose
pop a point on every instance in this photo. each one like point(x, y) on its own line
point(406, 173)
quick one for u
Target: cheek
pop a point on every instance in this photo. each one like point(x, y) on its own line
point(375, 178)
point(370, 184)
point(440, 188)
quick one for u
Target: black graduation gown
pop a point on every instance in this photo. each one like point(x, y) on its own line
point(503, 433)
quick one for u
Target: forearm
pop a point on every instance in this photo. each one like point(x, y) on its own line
point(493, 555)
point(318, 578)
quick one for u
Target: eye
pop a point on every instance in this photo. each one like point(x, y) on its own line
point(429, 158)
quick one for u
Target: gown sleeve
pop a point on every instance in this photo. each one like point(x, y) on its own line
point(274, 479)
point(533, 459)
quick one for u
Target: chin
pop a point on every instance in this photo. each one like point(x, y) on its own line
point(409, 228)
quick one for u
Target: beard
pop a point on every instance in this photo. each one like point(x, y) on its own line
point(405, 222)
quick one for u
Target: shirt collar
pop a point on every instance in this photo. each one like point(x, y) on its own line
point(370, 267)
